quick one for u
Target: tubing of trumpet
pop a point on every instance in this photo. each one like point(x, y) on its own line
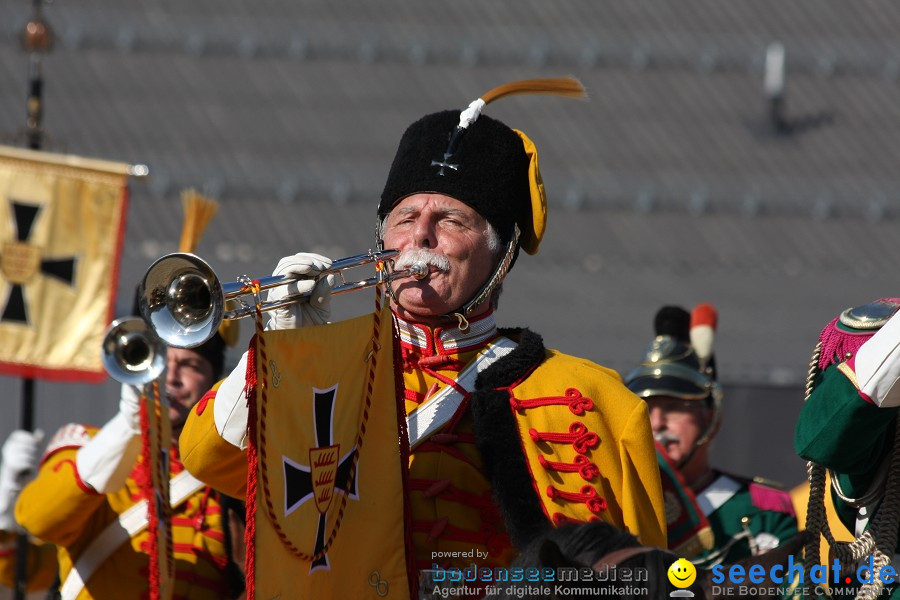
point(184, 302)
point(416, 271)
point(237, 288)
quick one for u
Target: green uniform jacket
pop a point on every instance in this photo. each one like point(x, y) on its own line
point(747, 517)
point(851, 437)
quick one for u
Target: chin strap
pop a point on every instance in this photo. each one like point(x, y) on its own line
point(712, 429)
point(715, 395)
point(496, 278)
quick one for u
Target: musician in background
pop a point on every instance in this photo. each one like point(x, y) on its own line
point(19, 457)
point(677, 378)
point(89, 477)
point(541, 438)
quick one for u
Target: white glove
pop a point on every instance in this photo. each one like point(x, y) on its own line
point(105, 462)
point(316, 310)
point(20, 459)
point(876, 366)
point(230, 410)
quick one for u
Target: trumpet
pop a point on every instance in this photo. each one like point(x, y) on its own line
point(184, 302)
point(131, 352)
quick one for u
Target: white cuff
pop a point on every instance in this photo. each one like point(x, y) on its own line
point(105, 462)
point(877, 365)
point(230, 409)
point(8, 496)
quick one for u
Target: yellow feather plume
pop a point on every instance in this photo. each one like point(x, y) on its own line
point(568, 87)
point(198, 211)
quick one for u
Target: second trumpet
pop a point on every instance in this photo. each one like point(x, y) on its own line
point(184, 302)
point(132, 353)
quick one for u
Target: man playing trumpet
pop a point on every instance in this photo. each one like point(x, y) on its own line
point(538, 438)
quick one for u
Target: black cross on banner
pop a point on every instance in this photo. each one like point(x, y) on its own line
point(327, 472)
point(20, 260)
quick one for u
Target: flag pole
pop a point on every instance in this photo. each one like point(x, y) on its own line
point(36, 40)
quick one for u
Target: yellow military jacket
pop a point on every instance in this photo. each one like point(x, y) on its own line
point(545, 438)
point(58, 508)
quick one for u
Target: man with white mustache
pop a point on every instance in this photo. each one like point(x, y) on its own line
point(542, 438)
point(677, 379)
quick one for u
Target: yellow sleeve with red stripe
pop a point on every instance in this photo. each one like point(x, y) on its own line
point(589, 447)
point(42, 564)
point(207, 456)
point(58, 508)
point(56, 505)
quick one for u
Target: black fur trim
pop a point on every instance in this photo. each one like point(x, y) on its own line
point(498, 440)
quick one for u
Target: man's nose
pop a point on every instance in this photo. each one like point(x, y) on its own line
point(172, 379)
point(657, 419)
point(424, 234)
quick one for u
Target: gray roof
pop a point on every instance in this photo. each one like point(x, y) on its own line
point(668, 187)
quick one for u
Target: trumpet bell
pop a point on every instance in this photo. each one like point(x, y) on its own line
point(132, 353)
point(182, 300)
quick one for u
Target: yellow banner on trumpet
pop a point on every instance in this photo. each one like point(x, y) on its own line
point(62, 223)
point(330, 498)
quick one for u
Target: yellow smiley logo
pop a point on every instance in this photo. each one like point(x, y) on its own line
point(682, 573)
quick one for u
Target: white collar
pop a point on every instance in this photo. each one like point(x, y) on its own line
point(446, 340)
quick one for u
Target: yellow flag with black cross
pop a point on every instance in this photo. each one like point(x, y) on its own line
point(327, 465)
point(62, 223)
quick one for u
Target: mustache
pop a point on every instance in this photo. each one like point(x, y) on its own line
point(431, 258)
point(664, 437)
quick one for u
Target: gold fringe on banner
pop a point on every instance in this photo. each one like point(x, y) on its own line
point(198, 212)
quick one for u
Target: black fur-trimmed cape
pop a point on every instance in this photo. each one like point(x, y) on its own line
point(497, 438)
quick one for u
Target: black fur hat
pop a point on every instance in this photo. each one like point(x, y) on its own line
point(485, 167)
